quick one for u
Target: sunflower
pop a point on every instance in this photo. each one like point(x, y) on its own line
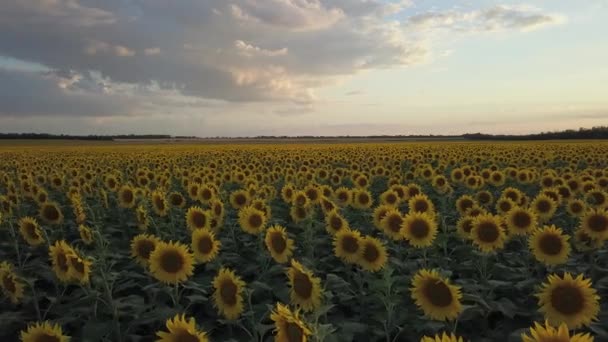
point(550, 246)
point(30, 231)
point(126, 196)
point(240, 199)
point(595, 223)
point(327, 205)
point(43, 332)
point(348, 245)
point(484, 198)
point(160, 204)
point(217, 209)
point(584, 242)
point(442, 338)
point(544, 206)
point(205, 245)
point(197, 218)
point(298, 214)
point(287, 193)
point(504, 205)
point(463, 203)
point(487, 233)
point(568, 300)
point(391, 224)
point(520, 221)
point(171, 262)
point(85, 234)
point(143, 220)
point(313, 193)
point(305, 288)
point(50, 212)
point(343, 196)
point(548, 333)
point(436, 296)
point(362, 199)
point(79, 268)
point(181, 330)
point(379, 213)
point(142, 246)
point(10, 284)
point(288, 325)
point(206, 193)
point(596, 198)
point(475, 211)
point(252, 220)
point(576, 207)
point(59, 254)
point(374, 255)
point(464, 227)
point(419, 228)
point(228, 294)
point(177, 200)
point(390, 197)
point(334, 222)
point(261, 205)
point(278, 244)
point(421, 204)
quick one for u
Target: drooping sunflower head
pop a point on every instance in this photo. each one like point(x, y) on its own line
point(50, 213)
point(391, 224)
point(142, 246)
point(197, 218)
point(421, 204)
point(374, 255)
point(327, 205)
point(171, 262)
point(79, 268)
point(487, 233)
point(10, 284)
point(86, 234)
point(442, 338)
point(550, 245)
point(204, 244)
point(279, 244)
point(334, 222)
point(288, 325)
point(595, 223)
point(160, 205)
point(348, 245)
point(181, 329)
point(548, 333)
point(520, 221)
point(228, 297)
point(31, 231)
point(305, 288)
point(419, 228)
point(252, 220)
point(438, 299)
point(44, 332)
point(568, 300)
point(59, 254)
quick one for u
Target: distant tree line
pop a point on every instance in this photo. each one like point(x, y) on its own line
point(46, 136)
point(599, 132)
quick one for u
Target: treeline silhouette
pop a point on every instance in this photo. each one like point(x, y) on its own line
point(46, 136)
point(599, 132)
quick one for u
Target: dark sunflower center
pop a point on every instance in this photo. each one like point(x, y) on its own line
point(488, 232)
point(278, 242)
point(465, 204)
point(576, 207)
point(127, 196)
point(302, 285)
point(228, 291)
point(255, 220)
point(438, 293)
point(467, 225)
point(217, 209)
point(598, 223)
point(483, 197)
point(44, 337)
point(199, 219)
point(363, 198)
point(62, 262)
point(335, 222)
point(350, 244)
point(522, 220)
point(176, 200)
point(206, 194)
point(300, 200)
point(421, 206)
point(240, 199)
point(294, 332)
point(8, 283)
point(419, 228)
point(160, 204)
point(543, 206)
point(171, 261)
point(568, 300)
point(51, 213)
point(42, 197)
point(550, 244)
point(391, 198)
point(312, 194)
point(78, 265)
point(300, 212)
point(205, 245)
point(394, 223)
point(31, 231)
point(505, 206)
point(371, 253)
point(184, 336)
point(144, 248)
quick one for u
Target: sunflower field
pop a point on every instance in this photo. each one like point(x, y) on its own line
point(451, 241)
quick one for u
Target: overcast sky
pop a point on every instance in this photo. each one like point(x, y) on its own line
point(299, 67)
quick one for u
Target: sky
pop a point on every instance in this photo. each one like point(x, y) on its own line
point(302, 67)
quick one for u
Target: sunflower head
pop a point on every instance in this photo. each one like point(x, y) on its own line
point(348, 245)
point(31, 231)
point(464, 227)
point(463, 203)
point(434, 294)
point(391, 224)
point(550, 245)
point(160, 203)
point(204, 244)
point(288, 325)
point(343, 196)
point(442, 338)
point(279, 244)
point(421, 204)
point(362, 199)
point(252, 220)
point(488, 233)
point(228, 297)
point(544, 207)
point(126, 196)
point(10, 284)
point(595, 223)
point(60, 253)
point(520, 221)
point(568, 300)
point(305, 288)
point(374, 255)
point(50, 213)
point(171, 262)
point(548, 333)
point(85, 234)
point(197, 218)
point(419, 228)
point(44, 332)
point(177, 200)
point(334, 222)
point(181, 329)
